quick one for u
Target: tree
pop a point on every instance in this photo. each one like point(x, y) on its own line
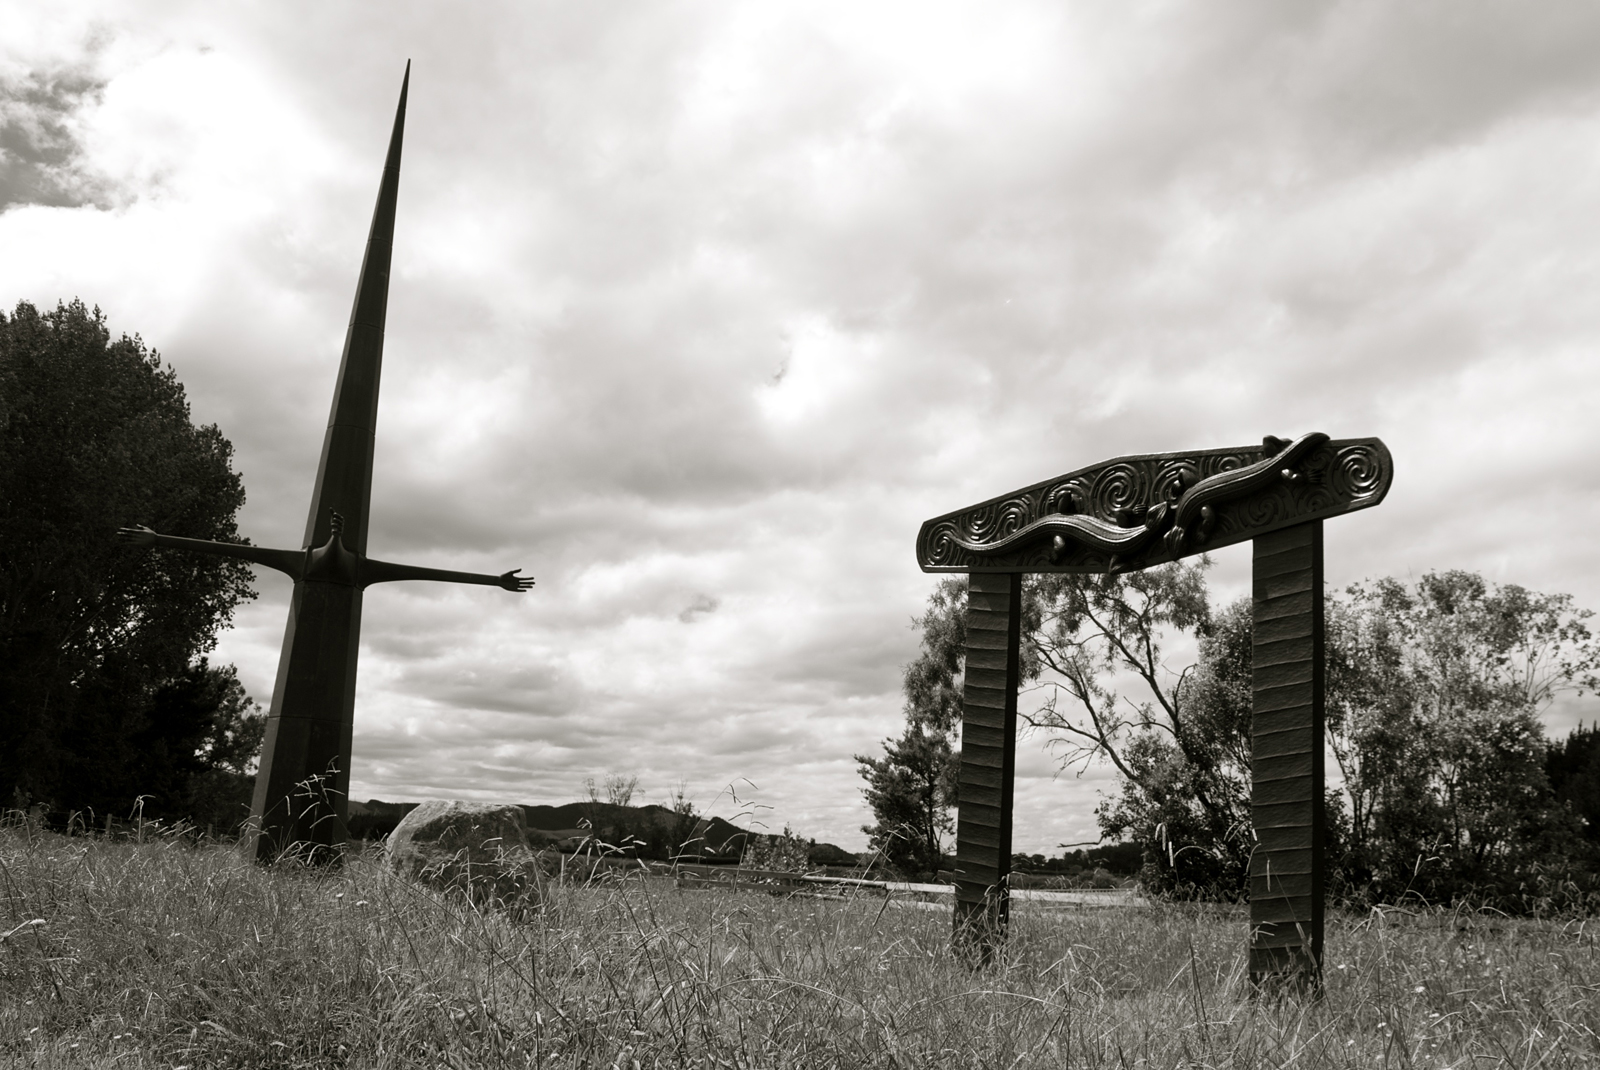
point(1573, 766)
point(911, 793)
point(783, 852)
point(619, 789)
point(96, 641)
point(912, 788)
point(197, 749)
point(1435, 693)
point(1083, 636)
point(1373, 727)
point(1178, 738)
point(1188, 798)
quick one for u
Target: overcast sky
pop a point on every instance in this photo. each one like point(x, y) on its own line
point(698, 310)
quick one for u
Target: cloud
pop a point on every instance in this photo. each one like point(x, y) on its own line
point(41, 158)
point(698, 607)
point(698, 311)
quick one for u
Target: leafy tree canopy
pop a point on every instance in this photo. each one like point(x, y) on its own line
point(1434, 696)
point(98, 643)
point(1573, 766)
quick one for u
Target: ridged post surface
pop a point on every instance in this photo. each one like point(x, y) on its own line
point(1288, 778)
point(988, 759)
point(301, 788)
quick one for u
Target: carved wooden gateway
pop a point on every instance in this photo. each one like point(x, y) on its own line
point(1130, 513)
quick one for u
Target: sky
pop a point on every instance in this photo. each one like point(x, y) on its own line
point(698, 310)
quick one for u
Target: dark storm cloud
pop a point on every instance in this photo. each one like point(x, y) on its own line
point(41, 159)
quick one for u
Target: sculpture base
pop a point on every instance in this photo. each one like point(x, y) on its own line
point(1287, 759)
point(301, 800)
point(988, 762)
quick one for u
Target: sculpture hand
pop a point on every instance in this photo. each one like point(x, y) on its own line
point(138, 535)
point(289, 562)
point(513, 582)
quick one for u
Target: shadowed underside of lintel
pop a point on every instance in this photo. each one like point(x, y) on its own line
point(1133, 512)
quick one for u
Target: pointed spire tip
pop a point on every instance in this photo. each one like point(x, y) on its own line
point(400, 114)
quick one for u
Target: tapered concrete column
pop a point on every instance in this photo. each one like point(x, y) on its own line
point(301, 790)
point(988, 760)
point(1287, 774)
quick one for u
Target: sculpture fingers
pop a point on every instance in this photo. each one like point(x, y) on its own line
point(138, 535)
point(513, 582)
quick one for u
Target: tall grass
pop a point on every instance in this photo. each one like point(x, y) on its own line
point(167, 954)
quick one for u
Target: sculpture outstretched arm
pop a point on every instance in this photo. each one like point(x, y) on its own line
point(291, 562)
point(373, 571)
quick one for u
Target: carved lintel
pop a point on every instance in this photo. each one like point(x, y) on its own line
point(1133, 512)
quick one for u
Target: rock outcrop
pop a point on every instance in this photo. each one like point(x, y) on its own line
point(481, 849)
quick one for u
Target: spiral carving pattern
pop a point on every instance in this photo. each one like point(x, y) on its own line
point(1115, 487)
point(986, 522)
point(1015, 513)
point(1259, 510)
point(1175, 478)
point(940, 549)
point(1358, 472)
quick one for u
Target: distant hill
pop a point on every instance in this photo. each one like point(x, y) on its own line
point(648, 831)
point(375, 818)
point(651, 830)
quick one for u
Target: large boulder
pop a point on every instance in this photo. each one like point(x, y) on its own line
point(481, 849)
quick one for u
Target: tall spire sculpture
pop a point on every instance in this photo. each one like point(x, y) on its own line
point(301, 789)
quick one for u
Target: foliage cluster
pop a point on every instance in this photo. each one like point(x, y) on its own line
point(166, 954)
point(781, 852)
point(104, 692)
point(1573, 766)
point(1118, 859)
point(1435, 692)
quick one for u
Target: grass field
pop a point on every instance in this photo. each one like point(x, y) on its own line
point(167, 955)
